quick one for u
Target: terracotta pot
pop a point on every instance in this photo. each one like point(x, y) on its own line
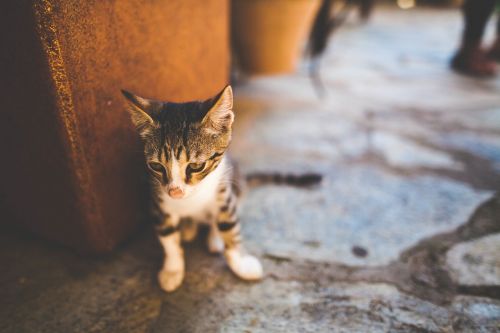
point(268, 35)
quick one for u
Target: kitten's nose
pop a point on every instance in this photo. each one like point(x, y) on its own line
point(176, 192)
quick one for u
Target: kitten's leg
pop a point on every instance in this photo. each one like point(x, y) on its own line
point(172, 273)
point(214, 241)
point(189, 230)
point(242, 264)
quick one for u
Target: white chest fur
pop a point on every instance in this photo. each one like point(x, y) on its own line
point(202, 200)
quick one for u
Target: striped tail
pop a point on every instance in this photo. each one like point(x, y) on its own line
point(303, 180)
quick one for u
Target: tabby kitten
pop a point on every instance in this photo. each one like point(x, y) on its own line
point(184, 146)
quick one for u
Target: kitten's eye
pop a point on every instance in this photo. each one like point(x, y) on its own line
point(157, 167)
point(196, 167)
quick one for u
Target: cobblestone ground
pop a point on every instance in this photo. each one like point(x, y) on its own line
point(402, 234)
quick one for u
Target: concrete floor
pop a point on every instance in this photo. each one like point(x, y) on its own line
point(402, 235)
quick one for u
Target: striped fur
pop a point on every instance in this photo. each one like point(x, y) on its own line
point(192, 180)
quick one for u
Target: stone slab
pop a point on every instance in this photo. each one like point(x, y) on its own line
point(476, 262)
point(365, 207)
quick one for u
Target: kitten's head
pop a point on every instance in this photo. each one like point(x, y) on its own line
point(183, 142)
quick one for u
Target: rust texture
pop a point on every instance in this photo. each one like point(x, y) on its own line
point(75, 171)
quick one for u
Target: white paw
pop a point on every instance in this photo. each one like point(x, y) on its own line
point(170, 280)
point(246, 267)
point(215, 243)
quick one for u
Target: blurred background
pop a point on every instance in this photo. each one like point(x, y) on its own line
point(394, 104)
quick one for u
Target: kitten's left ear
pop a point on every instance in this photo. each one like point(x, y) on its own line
point(142, 111)
point(220, 117)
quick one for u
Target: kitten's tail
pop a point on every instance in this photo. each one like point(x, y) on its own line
point(303, 180)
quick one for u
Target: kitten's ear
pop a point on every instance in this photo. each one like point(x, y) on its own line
point(220, 116)
point(141, 111)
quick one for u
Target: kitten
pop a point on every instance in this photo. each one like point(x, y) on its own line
point(191, 177)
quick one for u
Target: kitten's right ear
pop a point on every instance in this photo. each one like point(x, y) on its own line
point(141, 110)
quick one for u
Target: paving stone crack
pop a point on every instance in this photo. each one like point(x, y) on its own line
point(420, 271)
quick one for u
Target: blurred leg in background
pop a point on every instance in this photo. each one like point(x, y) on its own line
point(495, 48)
point(470, 58)
point(366, 9)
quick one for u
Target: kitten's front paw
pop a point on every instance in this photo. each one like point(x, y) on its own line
point(170, 280)
point(245, 266)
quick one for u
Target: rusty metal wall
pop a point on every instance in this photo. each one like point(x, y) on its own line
point(74, 161)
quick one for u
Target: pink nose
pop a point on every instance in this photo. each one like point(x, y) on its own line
point(176, 192)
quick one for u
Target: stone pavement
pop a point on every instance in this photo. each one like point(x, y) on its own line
point(402, 234)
